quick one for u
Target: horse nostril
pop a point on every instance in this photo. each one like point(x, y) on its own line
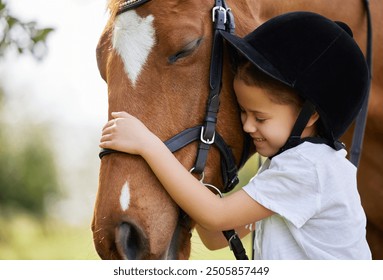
point(131, 242)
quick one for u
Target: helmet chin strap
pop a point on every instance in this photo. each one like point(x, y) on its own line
point(295, 137)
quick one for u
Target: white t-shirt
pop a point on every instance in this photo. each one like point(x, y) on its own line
point(313, 191)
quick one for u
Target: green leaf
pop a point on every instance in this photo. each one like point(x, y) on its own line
point(41, 35)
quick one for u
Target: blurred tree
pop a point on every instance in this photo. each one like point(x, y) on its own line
point(28, 175)
point(19, 35)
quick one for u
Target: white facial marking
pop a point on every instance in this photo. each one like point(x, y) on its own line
point(133, 39)
point(125, 197)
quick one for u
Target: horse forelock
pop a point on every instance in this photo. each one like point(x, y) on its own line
point(114, 6)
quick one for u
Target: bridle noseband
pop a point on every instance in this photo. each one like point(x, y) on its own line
point(206, 134)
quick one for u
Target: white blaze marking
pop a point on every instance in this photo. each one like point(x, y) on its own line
point(125, 197)
point(133, 39)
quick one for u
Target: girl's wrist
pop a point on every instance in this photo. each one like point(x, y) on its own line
point(152, 145)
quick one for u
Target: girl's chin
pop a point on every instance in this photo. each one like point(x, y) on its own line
point(265, 151)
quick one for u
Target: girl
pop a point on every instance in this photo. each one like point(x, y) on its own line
point(300, 81)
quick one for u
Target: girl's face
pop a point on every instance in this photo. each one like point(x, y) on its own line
point(267, 122)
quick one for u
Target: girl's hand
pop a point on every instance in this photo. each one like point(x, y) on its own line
point(127, 134)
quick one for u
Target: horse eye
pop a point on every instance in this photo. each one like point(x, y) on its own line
point(185, 51)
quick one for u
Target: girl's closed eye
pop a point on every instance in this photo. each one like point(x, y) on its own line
point(260, 120)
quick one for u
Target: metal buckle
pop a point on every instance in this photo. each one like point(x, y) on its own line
point(201, 174)
point(210, 186)
point(220, 8)
point(206, 141)
point(234, 236)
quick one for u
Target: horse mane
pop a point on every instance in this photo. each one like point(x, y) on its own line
point(114, 5)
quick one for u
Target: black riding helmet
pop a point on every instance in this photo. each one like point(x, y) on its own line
point(316, 57)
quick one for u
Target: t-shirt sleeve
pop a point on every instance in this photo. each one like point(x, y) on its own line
point(289, 187)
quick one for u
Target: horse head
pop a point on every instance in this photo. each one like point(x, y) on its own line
point(155, 59)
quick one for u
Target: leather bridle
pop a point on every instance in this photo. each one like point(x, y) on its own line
point(361, 119)
point(206, 133)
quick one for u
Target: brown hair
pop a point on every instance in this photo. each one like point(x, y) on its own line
point(278, 92)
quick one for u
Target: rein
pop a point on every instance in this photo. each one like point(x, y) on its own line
point(206, 134)
point(360, 123)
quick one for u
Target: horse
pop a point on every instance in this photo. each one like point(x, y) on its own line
point(154, 58)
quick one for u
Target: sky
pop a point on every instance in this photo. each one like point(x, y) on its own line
point(66, 91)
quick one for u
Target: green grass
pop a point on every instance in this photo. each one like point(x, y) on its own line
point(25, 238)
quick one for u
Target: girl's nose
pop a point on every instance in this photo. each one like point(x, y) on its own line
point(249, 125)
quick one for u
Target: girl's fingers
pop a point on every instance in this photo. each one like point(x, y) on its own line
point(106, 137)
point(116, 115)
point(109, 124)
point(105, 144)
point(107, 129)
point(106, 141)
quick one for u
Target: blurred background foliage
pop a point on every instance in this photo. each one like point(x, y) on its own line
point(28, 171)
point(20, 35)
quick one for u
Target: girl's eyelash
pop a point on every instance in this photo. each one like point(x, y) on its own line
point(256, 119)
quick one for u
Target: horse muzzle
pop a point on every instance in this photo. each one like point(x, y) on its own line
point(131, 242)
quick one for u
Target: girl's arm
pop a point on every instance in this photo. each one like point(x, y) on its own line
point(214, 240)
point(126, 133)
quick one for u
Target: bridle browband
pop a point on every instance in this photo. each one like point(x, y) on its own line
point(206, 134)
point(129, 5)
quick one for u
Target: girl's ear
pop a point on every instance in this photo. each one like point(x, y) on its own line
point(314, 117)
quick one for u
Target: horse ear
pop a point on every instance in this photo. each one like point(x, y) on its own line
point(345, 27)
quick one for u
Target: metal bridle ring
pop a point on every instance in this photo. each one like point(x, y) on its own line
point(202, 174)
